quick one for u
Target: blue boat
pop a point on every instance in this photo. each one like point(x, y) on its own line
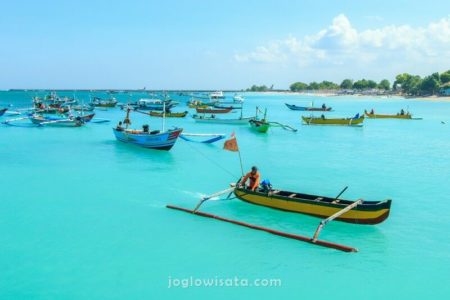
point(305, 108)
point(156, 139)
point(152, 139)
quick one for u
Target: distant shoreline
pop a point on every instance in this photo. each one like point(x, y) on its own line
point(274, 92)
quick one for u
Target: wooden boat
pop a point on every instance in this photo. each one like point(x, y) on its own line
point(199, 104)
point(57, 122)
point(98, 102)
point(168, 114)
point(213, 119)
point(226, 106)
point(153, 140)
point(259, 125)
point(305, 108)
point(397, 116)
point(356, 121)
point(210, 137)
point(87, 118)
point(83, 107)
point(154, 104)
point(156, 139)
point(2, 111)
point(369, 212)
point(213, 111)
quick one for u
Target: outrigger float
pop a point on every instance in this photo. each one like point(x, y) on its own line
point(357, 212)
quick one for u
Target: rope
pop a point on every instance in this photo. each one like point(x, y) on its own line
point(212, 161)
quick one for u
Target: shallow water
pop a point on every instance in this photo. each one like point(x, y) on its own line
point(83, 216)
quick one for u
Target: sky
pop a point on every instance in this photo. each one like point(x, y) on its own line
point(217, 44)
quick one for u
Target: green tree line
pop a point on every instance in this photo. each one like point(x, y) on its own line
point(406, 83)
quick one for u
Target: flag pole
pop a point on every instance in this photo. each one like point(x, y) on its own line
point(240, 161)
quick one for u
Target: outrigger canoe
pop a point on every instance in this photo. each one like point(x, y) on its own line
point(213, 111)
point(326, 121)
point(213, 119)
point(369, 212)
point(168, 114)
point(397, 116)
point(259, 125)
point(305, 108)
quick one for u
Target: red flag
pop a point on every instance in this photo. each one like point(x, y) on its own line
point(231, 144)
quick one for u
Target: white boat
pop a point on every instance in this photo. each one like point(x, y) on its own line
point(238, 98)
point(217, 95)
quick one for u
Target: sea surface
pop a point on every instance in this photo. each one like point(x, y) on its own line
point(83, 216)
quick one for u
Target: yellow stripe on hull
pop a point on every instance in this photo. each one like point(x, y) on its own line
point(320, 121)
point(311, 209)
point(375, 116)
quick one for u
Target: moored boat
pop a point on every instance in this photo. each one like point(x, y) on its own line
point(155, 139)
point(212, 119)
point(355, 121)
point(217, 95)
point(259, 125)
point(149, 139)
point(57, 122)
point(305, 108)
point(368, 212)
point(205, 138)
point(168, 114)
point(154, 104)
point(98, 102)
point(213, 111)
point(380, 116)
point(2, 111)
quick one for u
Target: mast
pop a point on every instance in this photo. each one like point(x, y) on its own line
point(164, 116)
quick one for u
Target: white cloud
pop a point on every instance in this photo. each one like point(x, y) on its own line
point(342, 44)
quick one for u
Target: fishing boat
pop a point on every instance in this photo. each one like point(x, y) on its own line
point(205, 138)
point(87, 118)
point(372, 115)
point(238, 98)
point(217, 95)
point(305, 108)
point(156, 139)
point(83, 107)
point(212, 119)
point(259, 125)
point(57, 122)
point(199, 104)
point(168, 114)
point(154, 104)
point(99, 102)
point(2, 111)
point(213, 111)
point(368, 212)
point(355, 121)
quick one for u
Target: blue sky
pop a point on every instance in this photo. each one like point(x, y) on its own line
point(217, 44)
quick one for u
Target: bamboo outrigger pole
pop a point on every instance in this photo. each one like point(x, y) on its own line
point(331, 218)
point(272, 231)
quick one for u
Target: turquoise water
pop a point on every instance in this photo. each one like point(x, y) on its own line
point(83, 216)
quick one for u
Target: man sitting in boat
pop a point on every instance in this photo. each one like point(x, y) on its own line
point(402, 112)
point(254, 176)
point(119, 126)
point(372, 112)
point(324, 106)
point(145, 128)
